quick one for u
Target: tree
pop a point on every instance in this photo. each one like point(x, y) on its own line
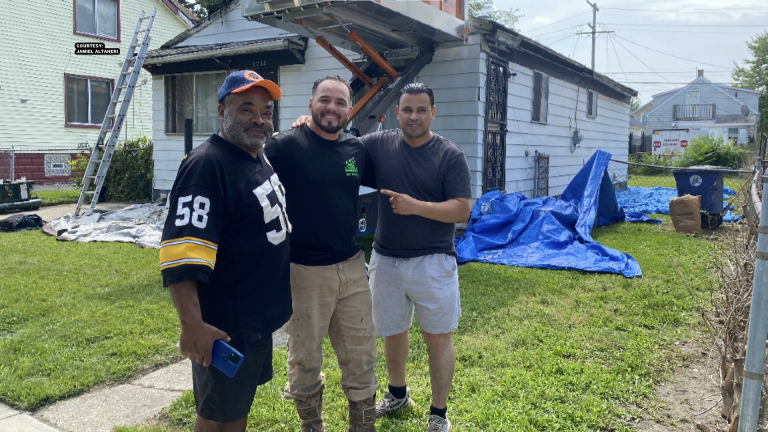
point(753, 74)
point(200, 7)
point(635, 104)
point(507, 18)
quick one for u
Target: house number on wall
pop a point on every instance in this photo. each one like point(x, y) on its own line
point(260, 63)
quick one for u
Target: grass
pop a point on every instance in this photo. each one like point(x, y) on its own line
point(75, 315)
point(536, 349)
point(55, 197)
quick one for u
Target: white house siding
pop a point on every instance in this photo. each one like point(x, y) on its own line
point(232, 28)
point(37, 47)
point(295, 82)
point(662, 116)
point(609, 131)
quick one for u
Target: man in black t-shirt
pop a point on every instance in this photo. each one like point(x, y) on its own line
point(224, 253)
point(322, 169)
point(424, 186)
point(424, 190)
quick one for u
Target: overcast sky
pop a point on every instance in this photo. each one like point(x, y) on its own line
point(712, 33)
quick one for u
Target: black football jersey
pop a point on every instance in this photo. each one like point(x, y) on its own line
point(227, 229)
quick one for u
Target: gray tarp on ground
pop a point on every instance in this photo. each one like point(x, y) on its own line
point(141, 224)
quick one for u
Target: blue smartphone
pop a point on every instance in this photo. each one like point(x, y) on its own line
point(226, 358)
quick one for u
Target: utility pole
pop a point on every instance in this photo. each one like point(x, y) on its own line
point(594, 31)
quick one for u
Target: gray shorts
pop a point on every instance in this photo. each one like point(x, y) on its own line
point(429, 284)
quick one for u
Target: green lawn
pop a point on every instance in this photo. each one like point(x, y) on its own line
point(73, 315)
point(56, 197)
point(536, 349)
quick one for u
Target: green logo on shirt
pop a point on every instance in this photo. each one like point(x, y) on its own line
point(350, 168)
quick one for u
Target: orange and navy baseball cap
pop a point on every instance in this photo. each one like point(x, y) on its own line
point(240, 81)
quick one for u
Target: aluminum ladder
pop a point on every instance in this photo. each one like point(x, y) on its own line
point(101, 156)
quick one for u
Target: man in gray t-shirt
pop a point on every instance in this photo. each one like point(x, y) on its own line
point(424, 189)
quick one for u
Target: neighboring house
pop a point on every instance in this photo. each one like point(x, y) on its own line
point(708, 108)
point(502, 97)
point(50, 97)
point(640, 114)
point(636, 128)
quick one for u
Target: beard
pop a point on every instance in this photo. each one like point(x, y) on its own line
point(317, 118)
point(238, 134)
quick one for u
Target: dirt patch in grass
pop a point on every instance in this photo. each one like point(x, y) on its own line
point(692, 389)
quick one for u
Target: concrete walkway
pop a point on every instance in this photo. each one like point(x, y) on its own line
point(134, 403)
point(130, 404)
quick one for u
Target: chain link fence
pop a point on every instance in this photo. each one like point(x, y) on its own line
point(51, 169)
point(648, 188)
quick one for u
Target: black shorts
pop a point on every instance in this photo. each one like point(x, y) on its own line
point(223, 399)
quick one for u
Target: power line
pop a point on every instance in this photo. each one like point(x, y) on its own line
point(718, 10)
point(633, 55)
point(618, 58)
point(574, 47)
point(567, 37)
point(691, 25)
point(667, 54)
point(684, 31)
point(547, 25)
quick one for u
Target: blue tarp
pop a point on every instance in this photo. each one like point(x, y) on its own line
point(655, 200)
point(547, 232)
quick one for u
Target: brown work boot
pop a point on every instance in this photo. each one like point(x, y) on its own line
point(362, 415)
point(310, 412)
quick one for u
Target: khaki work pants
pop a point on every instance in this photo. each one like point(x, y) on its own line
point(332, 299)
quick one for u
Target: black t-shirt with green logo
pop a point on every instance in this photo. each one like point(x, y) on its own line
point(322, 181)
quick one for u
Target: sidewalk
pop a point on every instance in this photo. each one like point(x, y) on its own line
point(130, 404)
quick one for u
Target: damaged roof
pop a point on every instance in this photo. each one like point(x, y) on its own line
point(161, 55)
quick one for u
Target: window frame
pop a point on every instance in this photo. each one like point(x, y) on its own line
point(166, 88)
point(194, 95)
point(91, 35)
point(67, 123)
point(533, 97)
point(595, 98)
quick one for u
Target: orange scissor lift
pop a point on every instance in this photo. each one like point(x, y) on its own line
point(390, 34)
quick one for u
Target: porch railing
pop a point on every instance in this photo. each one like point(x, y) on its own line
point(694, 112)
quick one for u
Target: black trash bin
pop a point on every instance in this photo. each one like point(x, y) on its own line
point(706, 182)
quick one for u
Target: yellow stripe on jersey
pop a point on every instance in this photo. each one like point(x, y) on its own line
point(187, 250)
point(195, 239)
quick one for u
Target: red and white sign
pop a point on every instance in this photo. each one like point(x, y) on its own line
point(669, 142)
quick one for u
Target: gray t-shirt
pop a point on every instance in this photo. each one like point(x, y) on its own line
point(435, 172)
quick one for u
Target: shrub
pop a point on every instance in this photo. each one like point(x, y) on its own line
point(712, 150)
point(130, 173)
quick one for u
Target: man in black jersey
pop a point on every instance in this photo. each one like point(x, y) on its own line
point(322, 168)
point(224, 253)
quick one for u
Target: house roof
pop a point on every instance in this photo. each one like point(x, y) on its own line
point(201, 24)
point(633, 122)
point(177, 8)
point(532, 54)
point(699, 80)
point(176, 54)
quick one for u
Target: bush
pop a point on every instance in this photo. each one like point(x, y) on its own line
point(130, 173)
point(712, 150)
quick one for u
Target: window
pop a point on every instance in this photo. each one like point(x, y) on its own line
point(644, 119)
point(540, 97)
point(193, 96)
point(591, 104)
point(98, 18)
point(733, 135)
point(87, 100)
